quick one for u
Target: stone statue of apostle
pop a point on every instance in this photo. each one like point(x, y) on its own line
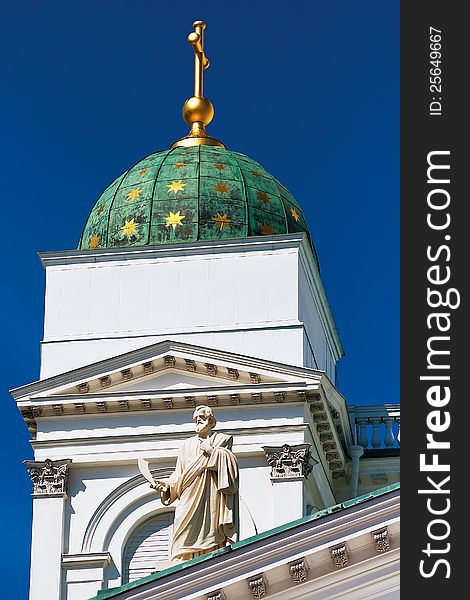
point(205, 482)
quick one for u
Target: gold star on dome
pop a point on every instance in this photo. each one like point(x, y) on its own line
point(179, 164)
point(294, 214)
point(219, 167)
point(174, 219)
point(176, 186)
point(129, 227)
point(263, 196)
point(222, 221)
point(133, 194)
point(94, 242)
point(142, 171)
point(256, 174)
point(267, 229)
point(221, 187)
point(100, 209)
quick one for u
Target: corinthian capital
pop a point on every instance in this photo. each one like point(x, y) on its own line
point(289, 461)
point(48, 478)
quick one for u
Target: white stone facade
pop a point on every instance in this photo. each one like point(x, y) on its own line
point(134, 339)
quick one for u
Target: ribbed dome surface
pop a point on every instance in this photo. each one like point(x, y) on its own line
point(189, 194)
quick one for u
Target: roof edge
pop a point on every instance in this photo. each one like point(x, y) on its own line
point(264, 242)
point(342, 506)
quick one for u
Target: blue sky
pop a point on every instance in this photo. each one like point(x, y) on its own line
point(309, 89)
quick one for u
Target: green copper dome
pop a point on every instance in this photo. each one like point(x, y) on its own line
point(188, 194)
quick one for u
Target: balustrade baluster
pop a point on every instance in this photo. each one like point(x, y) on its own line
point(363, 437)
point(389, 439)
point(376, 440)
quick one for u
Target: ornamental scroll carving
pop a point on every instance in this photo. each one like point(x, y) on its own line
point(289, 461)
point(382, 540)
point(218, 595)
point(257, 587)
point(298, 571)
point(340, 556)
point(48, 478)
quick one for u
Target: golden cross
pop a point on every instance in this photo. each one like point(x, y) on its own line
point(198, 111)
point(201, 62)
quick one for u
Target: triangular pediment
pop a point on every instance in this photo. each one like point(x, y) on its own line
point(173, 376)
point(168, 366)
point(171, 379)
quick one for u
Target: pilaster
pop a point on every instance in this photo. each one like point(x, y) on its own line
point(49, 495)
point(290, 466)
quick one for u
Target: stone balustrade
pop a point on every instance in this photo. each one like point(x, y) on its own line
point(376, 427)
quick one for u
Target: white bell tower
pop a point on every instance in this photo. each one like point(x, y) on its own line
point(134, 339)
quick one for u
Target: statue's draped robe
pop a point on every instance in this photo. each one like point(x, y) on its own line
point(206, 517)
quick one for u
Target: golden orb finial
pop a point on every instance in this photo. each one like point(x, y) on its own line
point(198, 111)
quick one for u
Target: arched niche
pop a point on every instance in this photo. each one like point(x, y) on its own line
point(134, 495)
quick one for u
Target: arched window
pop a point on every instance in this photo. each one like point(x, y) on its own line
point(148, 548)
